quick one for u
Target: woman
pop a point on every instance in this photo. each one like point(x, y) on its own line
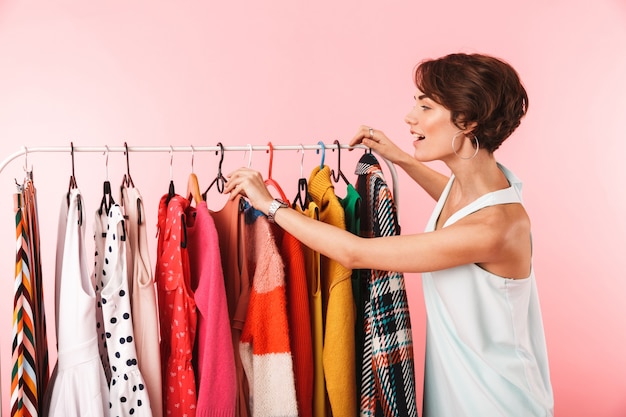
point(485, 346)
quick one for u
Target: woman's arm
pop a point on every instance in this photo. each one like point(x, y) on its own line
point(479, 238)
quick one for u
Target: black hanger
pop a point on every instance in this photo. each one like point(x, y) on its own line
point(303, 198)
point(219, 180)
point(339, 173)
point(107, 198)
point(127, 180)
point(73, 185)
point(72, 177)
point(171, 191)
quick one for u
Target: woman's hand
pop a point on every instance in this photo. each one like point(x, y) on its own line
point(249, 183)
point(378, 142)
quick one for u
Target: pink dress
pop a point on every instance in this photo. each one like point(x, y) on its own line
point(143, 297)
point(215, 359)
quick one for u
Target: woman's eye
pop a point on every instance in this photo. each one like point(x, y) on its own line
point(425, 107)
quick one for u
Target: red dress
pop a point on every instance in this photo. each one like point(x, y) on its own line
point(177, 309)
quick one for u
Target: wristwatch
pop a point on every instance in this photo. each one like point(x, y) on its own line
point(274, 206)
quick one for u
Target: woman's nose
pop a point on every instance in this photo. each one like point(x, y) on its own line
point(410, 118)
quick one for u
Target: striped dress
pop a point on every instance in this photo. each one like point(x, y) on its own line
point(30, 371)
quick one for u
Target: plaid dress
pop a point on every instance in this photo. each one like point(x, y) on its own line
point(387, 375)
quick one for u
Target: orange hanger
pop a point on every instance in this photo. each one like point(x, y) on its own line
point(270, 180)
point(193, 187)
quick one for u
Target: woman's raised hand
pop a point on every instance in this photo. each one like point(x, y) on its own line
point(378, 142)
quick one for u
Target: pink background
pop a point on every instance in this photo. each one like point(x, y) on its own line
point(290, 72)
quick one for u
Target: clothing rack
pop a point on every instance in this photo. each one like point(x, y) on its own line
point(320, 146)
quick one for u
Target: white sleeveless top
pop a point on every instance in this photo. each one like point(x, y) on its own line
point(485, 345)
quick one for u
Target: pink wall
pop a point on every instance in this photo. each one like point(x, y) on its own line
point(163, 74)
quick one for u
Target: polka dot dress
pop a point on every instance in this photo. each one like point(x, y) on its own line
point(177, 310)
point(127, 393)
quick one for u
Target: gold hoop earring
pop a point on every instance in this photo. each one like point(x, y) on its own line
point(476, 147)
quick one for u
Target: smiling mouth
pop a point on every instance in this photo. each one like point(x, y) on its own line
point(417, 136)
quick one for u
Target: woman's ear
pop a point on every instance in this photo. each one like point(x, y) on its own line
point(469, 127)
point(465, 126)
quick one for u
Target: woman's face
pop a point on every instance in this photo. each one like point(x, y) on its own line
point(431, 127)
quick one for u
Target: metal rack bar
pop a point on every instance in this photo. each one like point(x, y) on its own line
point(192, 148)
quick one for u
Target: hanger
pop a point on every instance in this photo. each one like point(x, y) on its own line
point(28, 173)
point(171, 192)
point(72, 177)
point(107, 198)
point(193, 187)
point(321, 143)
point(249, 155)
point(303, 196)
point(20, 187)
point(270, 180)
point(127, 180)
point(74, 185)
point(219, 180)
point(339, 173)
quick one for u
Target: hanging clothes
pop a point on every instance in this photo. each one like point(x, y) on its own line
point(42, 369)
point(24, 399)
point(351, 204)
point(143, 297)
point(127, 392)
point(214, 358)
point(99, 235)
point(264, 345)
point(177, 308)
point(338, 309)
point(312, 264)
point(498, 366)
point(299, 316)
point(79, 386)
point(231, 230)
point(388, 373)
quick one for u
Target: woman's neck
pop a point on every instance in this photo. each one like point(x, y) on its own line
point(476, 177)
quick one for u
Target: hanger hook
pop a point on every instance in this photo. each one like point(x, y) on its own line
point(337, 175)
point(106, 161)
point(72, 153)
point(302, 161)
point(221, 151)
point(192, 157)
point(321, 143)
point(171, 163)
point(249, 156)
point(271, 152)
point(129, 180)
point(25, 159)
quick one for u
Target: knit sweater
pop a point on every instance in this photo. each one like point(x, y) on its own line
point(264, 345)
point(312, 261)
point(213, 357)
point(299, 318)
point(338, 355)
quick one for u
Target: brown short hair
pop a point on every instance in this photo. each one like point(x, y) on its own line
point(476, 88)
